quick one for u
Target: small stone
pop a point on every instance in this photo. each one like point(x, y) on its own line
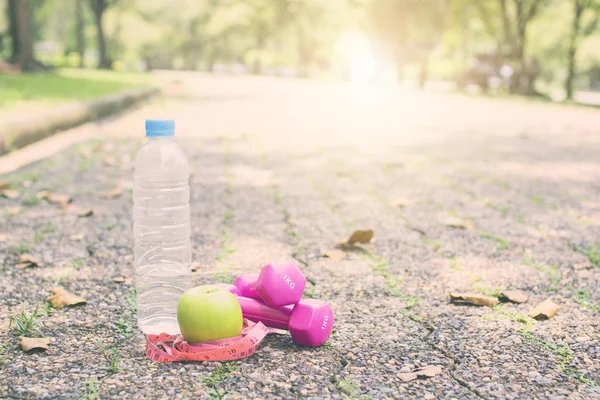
point(533, 374)
point(405, 370)
point(543, 381)
point(429, 396)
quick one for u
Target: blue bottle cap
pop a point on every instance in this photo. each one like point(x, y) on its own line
point(160, 127)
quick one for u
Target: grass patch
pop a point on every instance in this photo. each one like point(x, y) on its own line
point(309, 291)
point(112, 356)
point(488, 290)
point(31, 176)
point(223, 277)
point(550, 271)
point(502, 243)
point(212, 381)
point(86, 164)
point(21, 248)
point(26, 325)
point(30, 201)
point(124, 326)
point(435, 243)
point(519, 317)
point(49, 228)
point(379, 265)
point(565, 354)
point(227, 249)
point(92, 388)
point(77, 264)
point(131, 301)
point(584, 299)
point(348, 387)
point(455, 265)
point(108, 226)
point(65, 86)
point(591, 252)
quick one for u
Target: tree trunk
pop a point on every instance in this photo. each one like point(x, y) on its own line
point(79, 31)
point(424, 72)
point(12, 30)
point(572, 52)
point(98, 7)
point(24, 35)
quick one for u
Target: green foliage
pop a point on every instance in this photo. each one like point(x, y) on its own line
point(21, 248)
point(92, 388)
point(550, 271)
point(62, 86)
point(26, 325)
point(502, 243)
point(584, 298)
point(131, 301)
point(591, 252)
point(212, 381)
point(348, 387)
point(112, 356)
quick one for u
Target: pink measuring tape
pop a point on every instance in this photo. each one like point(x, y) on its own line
point(172, 348)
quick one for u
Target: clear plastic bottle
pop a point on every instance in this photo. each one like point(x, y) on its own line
point(161, 228)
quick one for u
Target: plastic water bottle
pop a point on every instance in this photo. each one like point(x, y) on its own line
point(161, 228)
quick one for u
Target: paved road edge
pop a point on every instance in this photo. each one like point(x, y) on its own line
point(15, 135)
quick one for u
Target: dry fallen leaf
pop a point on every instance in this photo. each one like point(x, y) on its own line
point(59, 199)
point(515, 296)
point(4, 184)
point(13, 210)
point(428, 371)
point(110, 161)
point(111, 194)
point(61, 298)
point(401, 203)
point(86, 153)
point(27, 261)
point(335, 254)
point(407, 376)
point(127, 185)
point(457, 223)
point(195, 266)
point(359, 236)
point(120, 279)
point(10, 194)
point(42, 194)
point(86, 213)
point(545, 310)
point(77, 236)
point(28, 344)
point(477, 299)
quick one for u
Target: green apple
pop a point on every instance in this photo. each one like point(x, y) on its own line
point(209, 313)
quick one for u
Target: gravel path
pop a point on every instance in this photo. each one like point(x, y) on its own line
point(463, 194)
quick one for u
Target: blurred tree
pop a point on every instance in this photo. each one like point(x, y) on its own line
point(412, 28)
point(11, 11)
point(579, 9)
point(80, 31)
point(21, 30)
point(99, 7)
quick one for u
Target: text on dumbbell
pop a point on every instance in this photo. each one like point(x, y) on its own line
point(325, 320)
point(289, 281)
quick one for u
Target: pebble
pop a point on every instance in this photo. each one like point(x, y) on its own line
point(543, 381)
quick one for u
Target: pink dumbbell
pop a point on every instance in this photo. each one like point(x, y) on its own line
point(310, 321)
point(246, 285)
point(277, 284)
